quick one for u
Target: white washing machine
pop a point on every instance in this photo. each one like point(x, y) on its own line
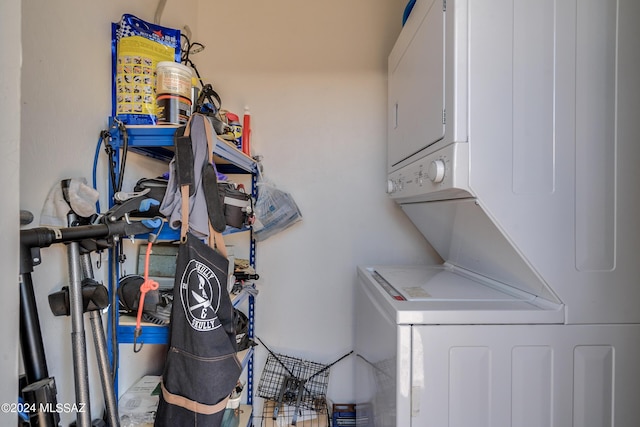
point(438, 349)
point(513, 148)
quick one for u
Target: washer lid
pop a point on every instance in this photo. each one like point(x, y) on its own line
point(446, 294)
point(441, 283)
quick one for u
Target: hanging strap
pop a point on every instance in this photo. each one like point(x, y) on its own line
point(146, 286)
point(216, 241)
point(184, 187)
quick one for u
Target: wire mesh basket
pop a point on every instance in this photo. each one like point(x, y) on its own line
point(292, 381)
point(294, 386)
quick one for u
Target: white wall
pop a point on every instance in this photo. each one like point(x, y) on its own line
point(10, 58)
point(314, 76)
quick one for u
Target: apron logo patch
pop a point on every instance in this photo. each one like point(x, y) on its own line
point(200, 292)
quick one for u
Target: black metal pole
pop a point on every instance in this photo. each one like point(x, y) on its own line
point(35, 363)
point(78, 338)
point(42, 237)
point(102, 355)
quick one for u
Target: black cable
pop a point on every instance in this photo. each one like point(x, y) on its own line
point(114, 314)
point(193, 65)
point(108, 148)
point(125, 149)
point(186, 47)
point(187, 50)
point(194, 48)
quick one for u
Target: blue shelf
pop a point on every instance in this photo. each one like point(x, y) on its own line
point(157, 142)
point(151, 334)
point(156, 334)
point(169, 234)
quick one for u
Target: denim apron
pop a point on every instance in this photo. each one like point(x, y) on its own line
point(201, 368)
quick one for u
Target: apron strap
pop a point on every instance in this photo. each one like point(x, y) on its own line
point(192, 405)
point(184, 192)
point(216, 241)
point(184, 225)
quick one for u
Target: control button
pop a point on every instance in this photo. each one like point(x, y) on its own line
point(436, 171)
point(391, 186)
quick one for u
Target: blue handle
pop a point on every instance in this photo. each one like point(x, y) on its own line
point(152, 223)
point(146, 204)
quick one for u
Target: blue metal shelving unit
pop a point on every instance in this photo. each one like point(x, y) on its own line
point(157, 142)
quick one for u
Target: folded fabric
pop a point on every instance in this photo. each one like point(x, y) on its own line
point(82, 200)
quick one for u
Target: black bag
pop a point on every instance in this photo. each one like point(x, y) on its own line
point(156, 189)
point(243, 341)
point(201, 368)
point(238, 205)
point(129, 295)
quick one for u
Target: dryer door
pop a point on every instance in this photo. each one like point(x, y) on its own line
point(416, 83)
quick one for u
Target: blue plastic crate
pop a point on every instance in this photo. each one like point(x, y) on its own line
point(344, 414)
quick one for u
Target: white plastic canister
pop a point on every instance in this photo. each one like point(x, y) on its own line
point(173, 89)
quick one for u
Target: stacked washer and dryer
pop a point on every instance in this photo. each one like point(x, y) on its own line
point(513, 147)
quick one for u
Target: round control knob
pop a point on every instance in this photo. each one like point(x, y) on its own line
point(391, 186)
point(436, 171)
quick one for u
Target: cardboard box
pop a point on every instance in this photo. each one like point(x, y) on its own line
point(138, 405)
point(308, 418)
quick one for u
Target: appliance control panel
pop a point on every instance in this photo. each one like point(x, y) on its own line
point(441, 175)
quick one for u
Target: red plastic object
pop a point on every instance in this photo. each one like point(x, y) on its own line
point(246, 133)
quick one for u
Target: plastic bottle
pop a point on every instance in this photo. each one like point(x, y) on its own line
point(195, 94)
point(246, 132)
point(236, 128)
